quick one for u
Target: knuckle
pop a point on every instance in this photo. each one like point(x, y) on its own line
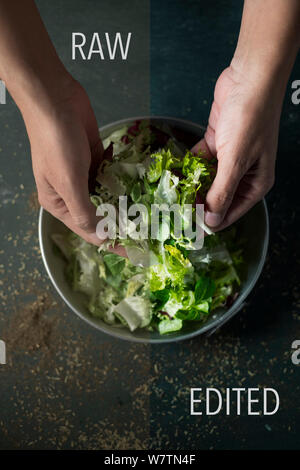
point(43, 201)
point(240, 166)
point(56, 207)
point(97, 148)
point(265, 187)
point(60, 211)
point(224, 197)
point(258, 194)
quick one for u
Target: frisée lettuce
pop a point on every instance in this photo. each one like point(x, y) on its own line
point(164, 282)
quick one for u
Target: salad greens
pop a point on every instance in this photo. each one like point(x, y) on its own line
point(165, 282)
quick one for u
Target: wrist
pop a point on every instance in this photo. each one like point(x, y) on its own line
point(268, 43)
point(264, 76)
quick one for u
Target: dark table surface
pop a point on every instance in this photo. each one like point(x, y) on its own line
point(66, 385)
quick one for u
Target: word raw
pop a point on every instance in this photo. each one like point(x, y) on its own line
point(249, 399)
point(107, 49)
point(296, 354)
point(2, 92)
point(2, 352)
point(296, 94)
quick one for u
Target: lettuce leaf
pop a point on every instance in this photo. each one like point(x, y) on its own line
point(135, 311)
point(169, 326)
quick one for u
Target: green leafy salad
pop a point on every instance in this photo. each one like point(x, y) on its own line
point(164, 282)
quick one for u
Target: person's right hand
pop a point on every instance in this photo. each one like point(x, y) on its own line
point(242, 134)
point(66, 149)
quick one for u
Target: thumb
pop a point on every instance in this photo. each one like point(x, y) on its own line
point(221, 193)
point(81, 209)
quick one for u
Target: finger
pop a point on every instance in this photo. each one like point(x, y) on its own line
point(54, 204)
point(239, 207)
point(95, 143)
point(221, 193)
point(208, 143)
point(90, 237)
point(246, 197)
point(118, 250)
point(97, 153)
point(202, 147)
point(77, 199)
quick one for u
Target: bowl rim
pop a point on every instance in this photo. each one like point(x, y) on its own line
point(163, 339)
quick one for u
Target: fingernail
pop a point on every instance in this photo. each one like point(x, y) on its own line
point(212, 219)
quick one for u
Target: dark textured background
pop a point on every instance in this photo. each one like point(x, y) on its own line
point(69, 386)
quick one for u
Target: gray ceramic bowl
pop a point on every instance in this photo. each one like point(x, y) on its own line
point(254, 226)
